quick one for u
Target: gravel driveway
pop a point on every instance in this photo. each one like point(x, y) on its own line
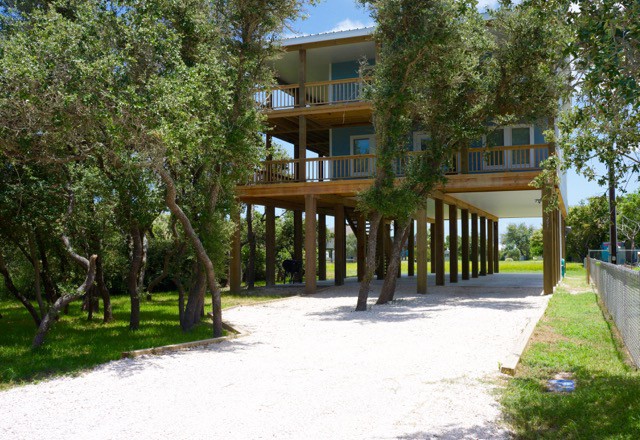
point(422, 367)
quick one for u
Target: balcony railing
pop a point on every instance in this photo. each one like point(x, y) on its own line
point(363, 166)
point(287, 96)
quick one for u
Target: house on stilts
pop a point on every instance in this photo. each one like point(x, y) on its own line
point(318, 107)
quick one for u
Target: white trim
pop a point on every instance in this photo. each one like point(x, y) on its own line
point(417, 137)
point(372, 149)
point(330, 168)
point(328, 36)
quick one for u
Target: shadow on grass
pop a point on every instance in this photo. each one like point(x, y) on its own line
point(603, 406)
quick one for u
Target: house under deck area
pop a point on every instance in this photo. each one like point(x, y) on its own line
point(318, 107)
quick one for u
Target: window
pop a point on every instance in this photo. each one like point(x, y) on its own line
point(361, 145)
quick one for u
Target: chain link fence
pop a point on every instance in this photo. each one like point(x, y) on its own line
point(619, 288)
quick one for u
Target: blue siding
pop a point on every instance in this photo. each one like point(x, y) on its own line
point(347, 69)
point(340, 138)
point(538, 135)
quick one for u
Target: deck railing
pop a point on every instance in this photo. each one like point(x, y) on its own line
point(363, 166)
point(315, 93)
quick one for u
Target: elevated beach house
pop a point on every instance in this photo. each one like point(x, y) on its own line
point(318, 107)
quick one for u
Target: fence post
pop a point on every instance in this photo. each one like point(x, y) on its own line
point(588, 269)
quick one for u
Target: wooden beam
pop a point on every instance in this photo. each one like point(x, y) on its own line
point(490, 247)
point(439, 242)
point(310, 227)
point(235, 263)
point(297, 238)
point(302, 77)
point(464, 227)
point(453, 243)
point(432, 246)
point(422, 251)
point(411, 245)
point(474, 245)
point(301, 173)
point(270, 245)
point(483, 246)
point(496, 247)
point(322, 247)
point(547, 246)
point(339, 246)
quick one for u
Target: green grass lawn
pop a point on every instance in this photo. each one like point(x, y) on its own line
point(574, 337)
point(533, 266)
point(75, 343)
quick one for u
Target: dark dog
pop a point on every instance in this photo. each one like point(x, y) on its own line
point(293, 268)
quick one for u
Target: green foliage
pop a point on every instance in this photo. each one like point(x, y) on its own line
point(589, 223)
point(603, 124)
point(518, 239)
point(536, 243)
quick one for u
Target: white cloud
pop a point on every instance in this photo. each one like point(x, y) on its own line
point(348, 24)
point(483, 5)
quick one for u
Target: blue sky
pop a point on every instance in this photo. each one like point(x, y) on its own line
point(334, 15)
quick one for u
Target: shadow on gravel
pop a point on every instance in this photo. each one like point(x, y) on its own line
point(457, 433)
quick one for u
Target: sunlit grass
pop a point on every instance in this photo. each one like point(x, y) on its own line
point(531, 266)
point(75, 343)
point(574, 337)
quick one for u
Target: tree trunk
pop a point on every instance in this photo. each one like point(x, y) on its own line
point(15, 292)
point(107, 313)
point(195, 300)
point(251, 239)
point(54, 312)
point(180, 288)
point(389, 285)
point(143, 264)
point(370, 267)
point(201, 253)
point(132, 278)
point(35, 261)
point(50, 288)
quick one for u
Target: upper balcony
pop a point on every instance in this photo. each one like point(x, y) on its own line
point(311, 95)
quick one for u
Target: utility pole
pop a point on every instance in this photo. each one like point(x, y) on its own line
point(613, 240)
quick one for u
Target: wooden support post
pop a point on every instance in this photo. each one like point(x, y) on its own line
point(380, 254)
point(322, 247)
point(547, 250)
point(339, 244)
point(422, 251)
point(464, 226)
point(411, 244)
point(490, 247)
point(302, 77)
point(297, 235)
point(396, 231)
point(362, 246)
point(496, 247)
point(453, 243)
point(310, 250)
point(235, 263)
point(474, 245)
point(439, 240)
point(270, 245)
point(432, 246)
point(302, 149)
point(483, 246)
